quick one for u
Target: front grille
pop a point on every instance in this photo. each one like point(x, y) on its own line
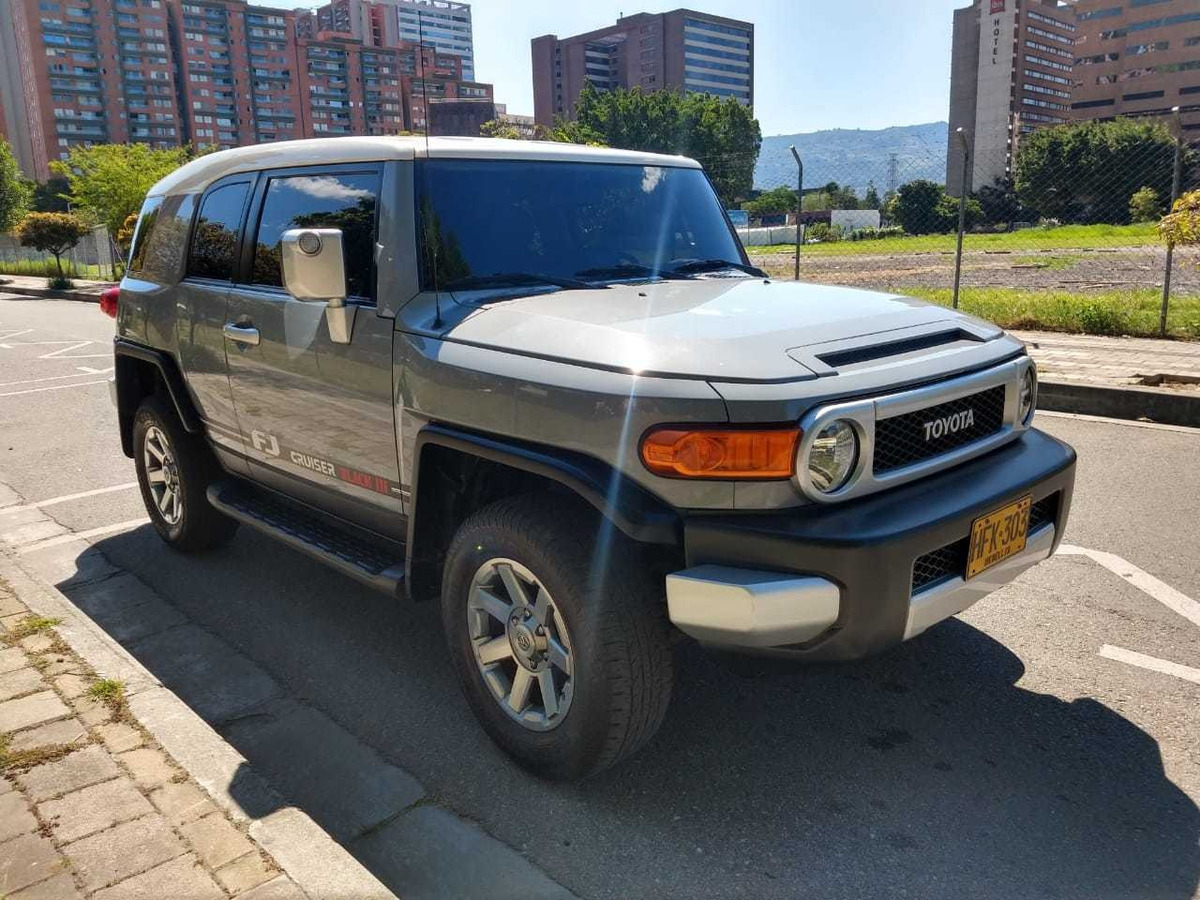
point(901, 440)
point(938, 565)
point(951, 561)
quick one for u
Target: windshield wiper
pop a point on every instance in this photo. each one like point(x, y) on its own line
point(623, 270)
point(693, 266)
point(515, 279)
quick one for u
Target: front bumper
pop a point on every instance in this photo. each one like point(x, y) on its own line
point(837, 582)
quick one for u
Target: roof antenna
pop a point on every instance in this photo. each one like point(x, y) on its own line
point(420, 68)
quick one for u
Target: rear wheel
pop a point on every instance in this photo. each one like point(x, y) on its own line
point(174, 470)
point(564, 658)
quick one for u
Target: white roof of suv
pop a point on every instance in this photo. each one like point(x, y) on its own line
point(199, 173)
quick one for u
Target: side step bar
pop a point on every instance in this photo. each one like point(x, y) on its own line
point(365, 557)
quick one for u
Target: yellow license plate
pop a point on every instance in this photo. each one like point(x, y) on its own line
point(998, 535)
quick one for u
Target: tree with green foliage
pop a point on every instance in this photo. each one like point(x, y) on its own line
point(871, 197)
point(772, 202)
point(915, 208)
point(15, 193)
point(1145, 205)
point(1087, 171)
point(110, 181)
point(495, 128)
point(721, 134)
point(998, 202)
point(51, 233)
point(51, 195)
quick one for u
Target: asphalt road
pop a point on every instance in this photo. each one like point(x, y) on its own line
point(999, 755)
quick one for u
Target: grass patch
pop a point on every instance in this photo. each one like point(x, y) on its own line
point(1133, 313)
point(1047, 261)
point(111, 693)
point(28, 626)
point(23, 760)
point(45, 268)
point(1066, 237)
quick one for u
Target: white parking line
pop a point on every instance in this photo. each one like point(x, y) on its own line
point(87, 370)
point(74, 535)
point(1152, 663)
point(1143, 581)
point(57, 387)
point(67, 498)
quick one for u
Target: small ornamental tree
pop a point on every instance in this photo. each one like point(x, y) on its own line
point(1182, 225)
point(1144, 205)
point(51, 233)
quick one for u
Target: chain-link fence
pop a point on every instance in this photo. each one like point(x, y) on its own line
point(1060, 238)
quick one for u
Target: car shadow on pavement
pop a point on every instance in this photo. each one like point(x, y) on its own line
point(929, 771)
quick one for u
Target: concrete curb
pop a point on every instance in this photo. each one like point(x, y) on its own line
point(1166, 407)
point(320, 866)
point(50, 294)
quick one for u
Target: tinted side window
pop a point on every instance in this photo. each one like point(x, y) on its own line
point(145, 225)
point(347, 202)
point(214, 241)
point(162, 249)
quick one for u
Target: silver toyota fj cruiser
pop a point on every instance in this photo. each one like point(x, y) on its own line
point(541, 384)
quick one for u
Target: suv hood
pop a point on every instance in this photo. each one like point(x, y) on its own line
point(717, 329)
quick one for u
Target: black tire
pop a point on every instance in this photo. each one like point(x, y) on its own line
point(616, 616)
point(199, 526)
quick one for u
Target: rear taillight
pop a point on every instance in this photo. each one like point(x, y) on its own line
point(108, 301)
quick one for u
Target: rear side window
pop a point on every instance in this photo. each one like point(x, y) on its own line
point(346, 201)
point(161, 239)
point(215, 239)
point(141, 236)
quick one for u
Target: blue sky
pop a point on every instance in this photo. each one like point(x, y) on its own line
point(820, 63)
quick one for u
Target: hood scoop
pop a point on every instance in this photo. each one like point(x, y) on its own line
point(892, 348)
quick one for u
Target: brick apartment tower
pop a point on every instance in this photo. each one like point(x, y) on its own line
point(685, 50)
point(208, 72)
point(1138, 60)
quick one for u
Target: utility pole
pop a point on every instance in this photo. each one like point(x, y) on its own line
point(1175, 185)
point(962, 211)
point(799, 204)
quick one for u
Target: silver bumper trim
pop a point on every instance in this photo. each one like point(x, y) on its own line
point(950, 597)
point(748, 608)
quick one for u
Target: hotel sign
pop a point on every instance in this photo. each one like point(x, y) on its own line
point(998, 6)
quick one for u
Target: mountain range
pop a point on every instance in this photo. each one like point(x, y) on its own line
point(856, 158)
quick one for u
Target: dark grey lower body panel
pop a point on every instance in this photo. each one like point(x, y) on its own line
point(365, 557)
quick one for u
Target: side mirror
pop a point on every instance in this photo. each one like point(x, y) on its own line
point(314, 270)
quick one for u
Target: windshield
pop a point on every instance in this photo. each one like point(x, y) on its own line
point(593, 221)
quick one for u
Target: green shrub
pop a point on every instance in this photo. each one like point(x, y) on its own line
point(60, 283)
point(1102, 318)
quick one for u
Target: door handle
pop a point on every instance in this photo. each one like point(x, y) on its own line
point(242, 334)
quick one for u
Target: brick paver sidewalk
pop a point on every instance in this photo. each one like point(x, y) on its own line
point(89, 805)
point(1113, 361)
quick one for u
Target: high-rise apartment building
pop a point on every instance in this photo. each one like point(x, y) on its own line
point(90, 71)
point(683, 49)
point(1137, 58)
point(218, 73)
point(1019, 65)
point(443, 25)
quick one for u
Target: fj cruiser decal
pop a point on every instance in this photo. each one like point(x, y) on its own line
point(268, 444)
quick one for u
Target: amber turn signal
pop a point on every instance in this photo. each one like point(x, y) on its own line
point(721, 452)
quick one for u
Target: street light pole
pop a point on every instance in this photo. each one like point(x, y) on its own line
point(799, 203)
point(962, 211)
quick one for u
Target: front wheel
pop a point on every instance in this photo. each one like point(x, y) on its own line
point(562, 653)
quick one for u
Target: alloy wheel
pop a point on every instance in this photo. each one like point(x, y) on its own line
point(521, 644)
point(162, 474)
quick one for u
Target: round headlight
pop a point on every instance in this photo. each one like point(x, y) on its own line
point(833, 456)
point(1025, 402)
